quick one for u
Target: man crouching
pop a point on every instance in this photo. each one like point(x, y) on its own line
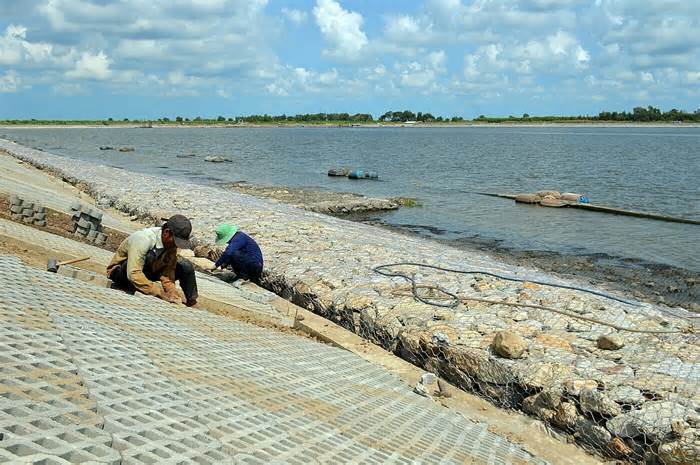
point(150, 255)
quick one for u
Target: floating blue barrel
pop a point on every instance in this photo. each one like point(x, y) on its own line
point(361, 174)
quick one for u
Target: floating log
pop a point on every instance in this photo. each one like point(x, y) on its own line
point(603, 209)
point(618, 211)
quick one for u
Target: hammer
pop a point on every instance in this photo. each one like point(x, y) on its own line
point(52, 265)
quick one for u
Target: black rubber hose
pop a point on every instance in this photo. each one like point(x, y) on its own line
point(381, 269)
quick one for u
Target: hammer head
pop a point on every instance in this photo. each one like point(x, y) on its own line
point(52, 265)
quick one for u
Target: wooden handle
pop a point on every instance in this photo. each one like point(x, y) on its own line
point(75, 260)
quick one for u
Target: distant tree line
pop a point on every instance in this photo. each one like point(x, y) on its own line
point(407, 115)
point(638, 114)
point(307, 118)
point(649, 114)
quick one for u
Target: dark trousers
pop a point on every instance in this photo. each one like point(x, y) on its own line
point(184, 273)
point(246, 267)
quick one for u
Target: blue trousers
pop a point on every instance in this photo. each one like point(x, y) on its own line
point(246, 266)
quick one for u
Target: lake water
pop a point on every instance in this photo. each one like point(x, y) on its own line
point(648, 169)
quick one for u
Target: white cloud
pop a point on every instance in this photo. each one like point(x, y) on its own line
point(10, 82)
point(423, 74)
point(555, 53)
point(477, 47)
point(406, 28)
point(295, 16)
point(342, 30)
point(276, 89)
point(693, 77)
point(92, 67)
point(15, 49)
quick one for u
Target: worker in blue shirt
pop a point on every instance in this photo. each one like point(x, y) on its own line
point(242, 253)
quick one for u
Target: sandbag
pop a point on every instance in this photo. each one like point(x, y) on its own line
point(550, 202)
point(527, 198)
point(552, 194)
point(570, 197)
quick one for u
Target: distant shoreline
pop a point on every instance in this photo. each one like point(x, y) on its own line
point(587, 124)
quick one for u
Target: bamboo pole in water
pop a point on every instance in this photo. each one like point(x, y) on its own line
point(602, 209)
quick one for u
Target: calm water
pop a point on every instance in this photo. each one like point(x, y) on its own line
point(649, 169)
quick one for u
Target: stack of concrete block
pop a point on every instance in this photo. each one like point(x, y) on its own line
point(87, 223)
point(27, 212)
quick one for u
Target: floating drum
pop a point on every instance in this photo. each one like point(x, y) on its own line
point(361, 174)
point(549, 202)
point(342, 172)
point(527, 198)
point(570, 197)
point(552, 194)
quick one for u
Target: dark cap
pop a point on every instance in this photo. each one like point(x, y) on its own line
point(181, 228)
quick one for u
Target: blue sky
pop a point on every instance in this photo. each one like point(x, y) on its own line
point(155, 58)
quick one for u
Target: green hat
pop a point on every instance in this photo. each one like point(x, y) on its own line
point(224, 233)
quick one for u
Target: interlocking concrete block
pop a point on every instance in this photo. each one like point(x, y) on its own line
point(97, 215)
point(85, 276)
point(84, 223)
point(27, 211)
point(99, 375)
point(41, 223)
point(17, 209)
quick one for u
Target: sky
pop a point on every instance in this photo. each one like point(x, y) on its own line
point(94, 59)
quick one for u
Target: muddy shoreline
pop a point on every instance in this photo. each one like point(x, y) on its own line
point(648, 282)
